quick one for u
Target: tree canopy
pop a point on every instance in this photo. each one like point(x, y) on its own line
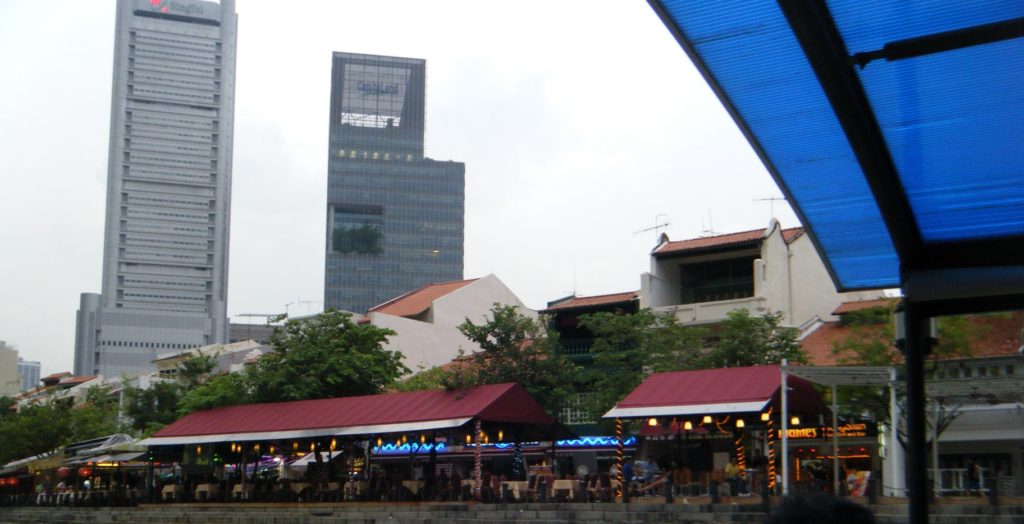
point(515, 348)
point(44, 427)
point(325, 356)
point(628, 347)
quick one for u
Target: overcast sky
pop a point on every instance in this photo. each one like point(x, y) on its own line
point(580, 123)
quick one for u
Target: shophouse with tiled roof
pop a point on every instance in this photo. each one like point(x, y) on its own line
point(426, 320)
point(774, 269)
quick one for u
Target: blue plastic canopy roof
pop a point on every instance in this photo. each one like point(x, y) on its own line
point(893, 127)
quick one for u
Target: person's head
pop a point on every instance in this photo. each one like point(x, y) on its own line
point(819, 509)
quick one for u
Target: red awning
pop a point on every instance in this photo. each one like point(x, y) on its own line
point(364, 415)
point(711, 391)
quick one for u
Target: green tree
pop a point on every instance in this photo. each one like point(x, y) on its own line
point(195, 369)
point(229, 389)
point(748, 340)
point(325, 356)
point(426, 379)
point(95, 417)
point(152, 408)
point(629, 347)
point(44, 427)
point(515, 348)
point(870, 342)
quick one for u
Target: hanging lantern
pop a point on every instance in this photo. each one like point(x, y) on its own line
point(688, 426)
point(380, 442)
point(501, 435)
point(707, 419)
point(334, 444)
point(423, 439)
point(63, 472)
point(739, 423)
point(652, 422)
point(795, 421)
point(469, 439)
point(85, 472)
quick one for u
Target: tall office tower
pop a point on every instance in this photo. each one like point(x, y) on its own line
point(394, 218)
point(29, 373)
point(165, 253)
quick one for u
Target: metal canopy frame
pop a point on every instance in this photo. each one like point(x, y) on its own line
point(971, 274)
point(833, 377)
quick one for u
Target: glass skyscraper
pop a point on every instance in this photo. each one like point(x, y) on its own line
point(165, 253)
point(394, 217)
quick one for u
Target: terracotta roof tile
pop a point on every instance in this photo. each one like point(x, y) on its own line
point(596, 300)
point(848, 307)
point(417, 301)
point(997, 335)
point(56, 375)
point(76, 380)
point(729, 239)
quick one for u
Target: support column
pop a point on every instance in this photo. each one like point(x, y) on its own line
point(936, 477)
point(835, 441)
point(785, 429)
point(894, 474)
point(477, 460)
point(618, 455)
point(914, 350)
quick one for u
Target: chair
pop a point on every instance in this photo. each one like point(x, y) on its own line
point(604, 488)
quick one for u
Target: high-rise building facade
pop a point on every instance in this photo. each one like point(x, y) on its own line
point(10, 381)
point(165, 254)
point(394, 218)
point(28, 371)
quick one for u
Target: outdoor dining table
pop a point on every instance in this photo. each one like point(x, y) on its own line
point(242, 491)
point(171, 491)
point(563, 484)
point(355, 489)
point(517, 487)
point(413, 486)
point(207, 490)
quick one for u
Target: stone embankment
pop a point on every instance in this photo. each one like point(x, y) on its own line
point(439, 513)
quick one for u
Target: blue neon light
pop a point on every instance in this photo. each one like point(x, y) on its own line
point(576, 443)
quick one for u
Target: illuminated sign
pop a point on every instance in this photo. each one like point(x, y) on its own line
point(852, 430)
point(579, 443)
point(377, 88)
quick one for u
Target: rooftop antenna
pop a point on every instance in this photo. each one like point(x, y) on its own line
point(656, 227)
point(710, 229)
point(299, 302)
point(266, 316)
point(771, 201)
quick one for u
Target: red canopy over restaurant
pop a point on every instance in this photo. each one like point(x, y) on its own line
point(505, 405)
point(717, 391)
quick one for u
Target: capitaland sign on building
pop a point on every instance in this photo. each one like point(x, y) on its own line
point(196, 9)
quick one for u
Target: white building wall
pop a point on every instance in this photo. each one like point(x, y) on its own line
point(10, 381)
point(788, 278)
point(428, 344)
point(772, 274)
point(814, 293)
